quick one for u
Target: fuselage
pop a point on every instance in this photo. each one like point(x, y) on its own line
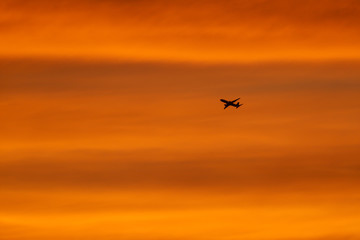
point(232, 104)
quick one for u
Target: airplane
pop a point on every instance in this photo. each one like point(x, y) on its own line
point(231, 103)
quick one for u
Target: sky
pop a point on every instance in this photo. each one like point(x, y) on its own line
point(112, 128)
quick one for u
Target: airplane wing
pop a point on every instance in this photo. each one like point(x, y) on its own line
point(223, 100)
point(235, 100)
point(226, 105)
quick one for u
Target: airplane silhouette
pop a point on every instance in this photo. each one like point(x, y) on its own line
point(231, 103)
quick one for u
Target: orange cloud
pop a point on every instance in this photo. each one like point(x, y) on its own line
point(182, 30)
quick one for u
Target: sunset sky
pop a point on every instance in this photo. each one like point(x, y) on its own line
point(112, 129)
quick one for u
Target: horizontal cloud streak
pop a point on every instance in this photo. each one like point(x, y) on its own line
point(127, 77)
point(182, 30)
point(158, 169)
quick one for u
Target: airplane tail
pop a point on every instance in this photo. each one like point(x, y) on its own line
point(238, 105)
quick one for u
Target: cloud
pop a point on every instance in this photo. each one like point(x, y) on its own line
point(68, 75)
point(205, 31)
point(159, 169)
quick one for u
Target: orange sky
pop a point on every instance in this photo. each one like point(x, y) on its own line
point(111, 125)
point(178, 30)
